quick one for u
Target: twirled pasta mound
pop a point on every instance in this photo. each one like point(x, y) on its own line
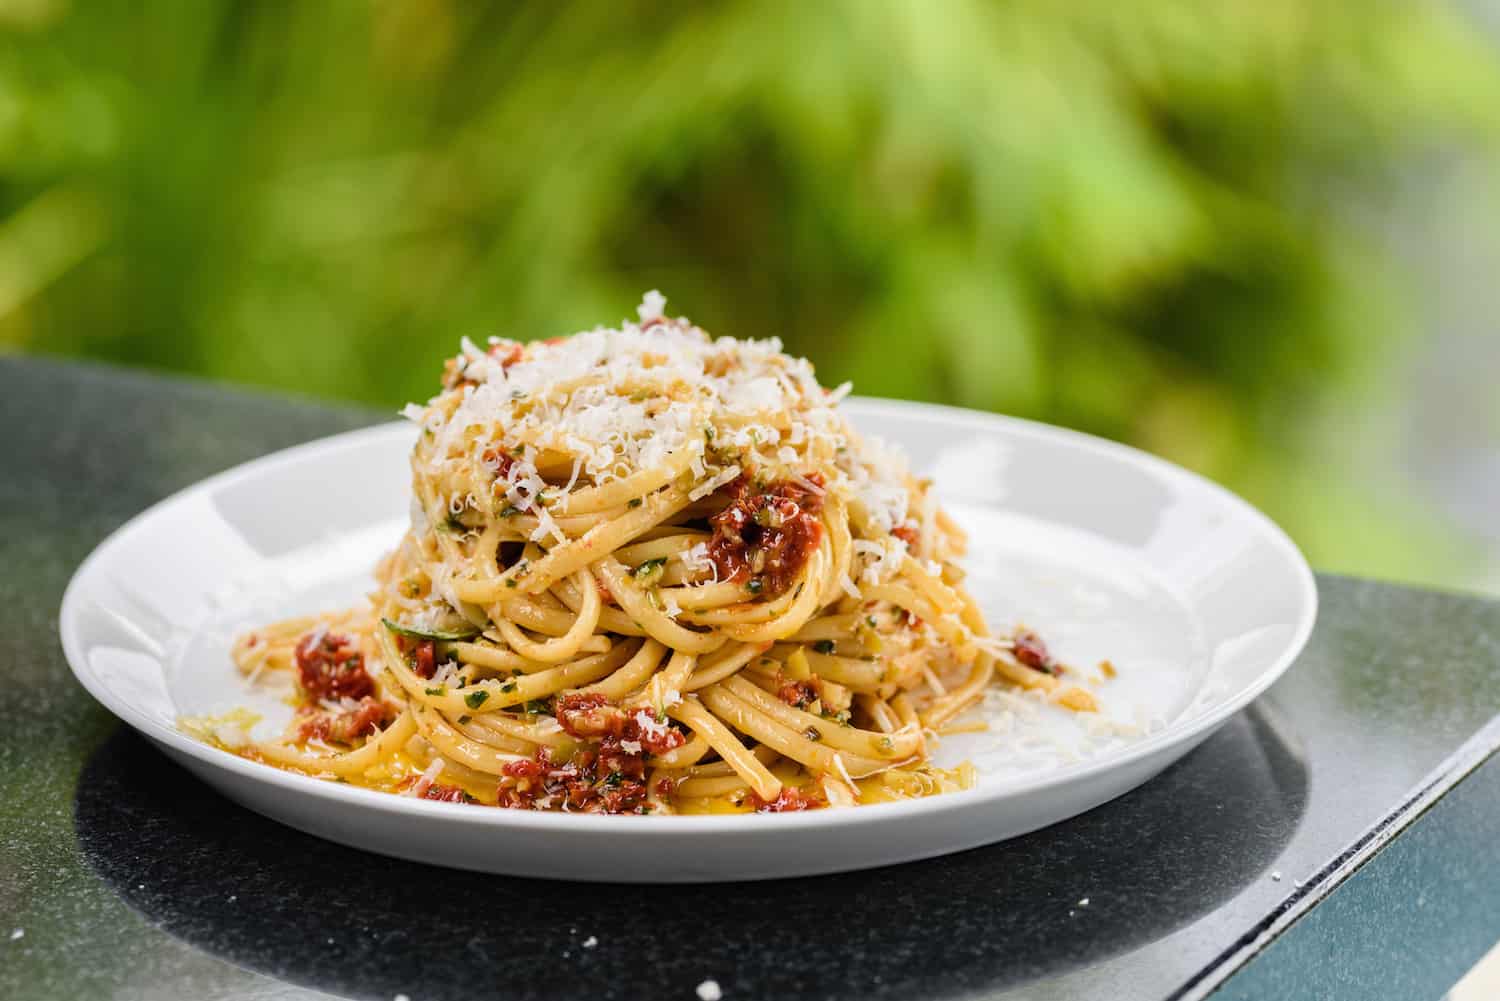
point(647, 571)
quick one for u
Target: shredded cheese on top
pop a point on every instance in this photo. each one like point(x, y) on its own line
point(607, 403)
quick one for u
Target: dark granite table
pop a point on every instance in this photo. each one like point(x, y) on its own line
point(1337, 840)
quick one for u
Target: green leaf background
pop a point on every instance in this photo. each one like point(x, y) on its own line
point(1149, 220)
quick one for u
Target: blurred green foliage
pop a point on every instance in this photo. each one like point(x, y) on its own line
point(1142, 219)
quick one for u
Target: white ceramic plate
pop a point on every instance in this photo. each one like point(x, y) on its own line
point(1198, 600)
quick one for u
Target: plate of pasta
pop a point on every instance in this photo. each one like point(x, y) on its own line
point(644, 604)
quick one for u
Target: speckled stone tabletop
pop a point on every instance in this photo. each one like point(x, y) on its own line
point(1335, 840)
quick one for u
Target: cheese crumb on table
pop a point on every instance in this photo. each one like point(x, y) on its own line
point(709, 991)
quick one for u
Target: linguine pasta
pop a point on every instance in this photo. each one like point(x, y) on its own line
point(647, 571)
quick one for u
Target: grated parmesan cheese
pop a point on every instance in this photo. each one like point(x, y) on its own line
point(611, 402)
point(719, 479)
point(424, 782)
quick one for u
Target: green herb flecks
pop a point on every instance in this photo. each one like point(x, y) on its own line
point(649, 572)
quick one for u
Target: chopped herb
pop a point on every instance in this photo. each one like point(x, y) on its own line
point(755, 586)
point(635, 502)
point(886, 744)
point(509, 510)
point(537, 706)
point(613, 779)
point(476, 699)
point(870, 621)
point(708, 431)
point(439, 690)
point(465, 718)
point(522, 569)
point(464, 632)
point(452, 524)
point(508, 685)
point(813, 733)
point(823, 646)
point(510, 582)
point(650, 571)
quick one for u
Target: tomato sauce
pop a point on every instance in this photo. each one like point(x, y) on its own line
point(343, 726)
point(330, 666)
point(1031, 651)
point(766, 535)
point(607, 777)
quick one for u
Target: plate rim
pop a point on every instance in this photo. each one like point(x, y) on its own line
point(1171, 735)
